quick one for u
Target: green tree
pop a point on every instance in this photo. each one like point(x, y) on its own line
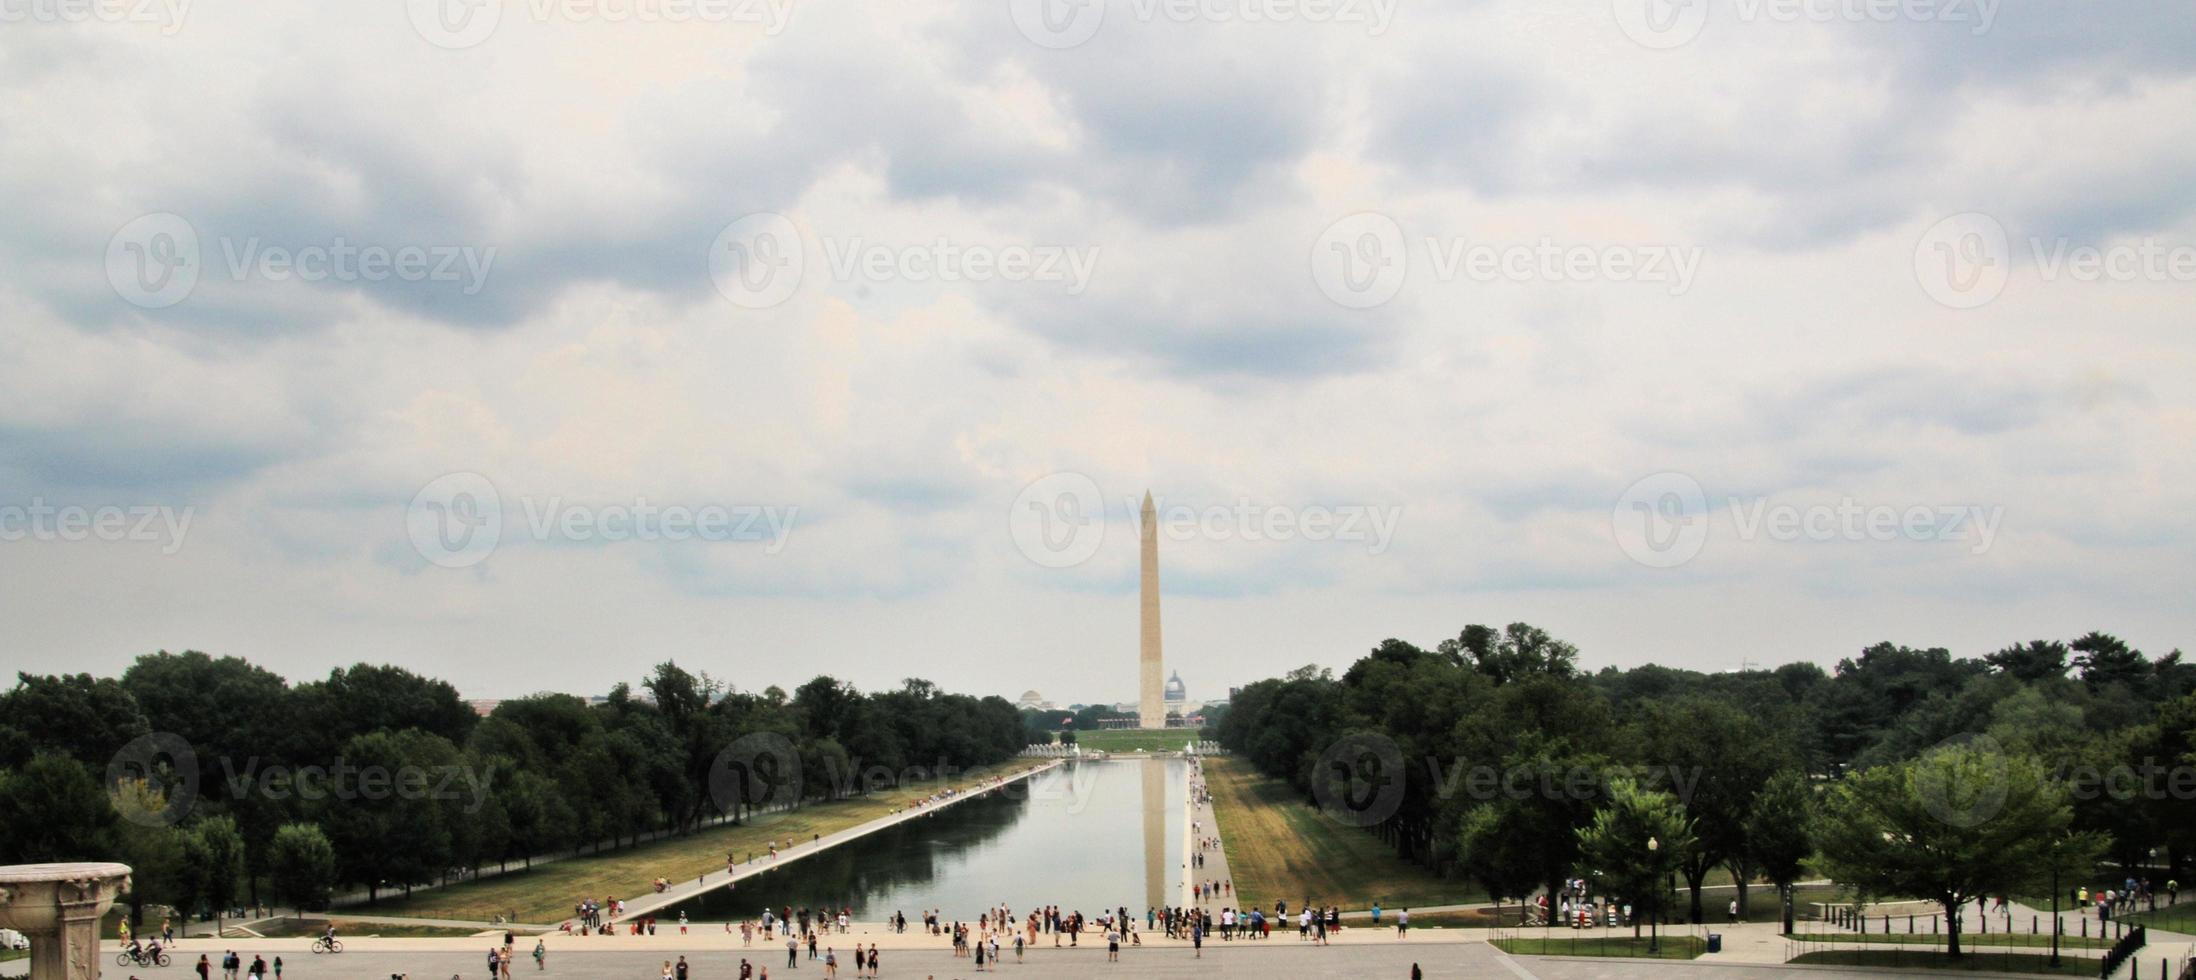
point(1780, 834)
point(1637, 838)
point(301, 866)
point(2033, 661)
point(52, 810)
point(88, 718)
point(153, 849)
point(214, 864)
point(1954, 825)
point(1716, 756)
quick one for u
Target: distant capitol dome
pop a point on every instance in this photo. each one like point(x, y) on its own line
point(1175, 690)
point(1032, 696)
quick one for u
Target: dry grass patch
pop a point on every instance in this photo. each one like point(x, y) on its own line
point(1279, 848)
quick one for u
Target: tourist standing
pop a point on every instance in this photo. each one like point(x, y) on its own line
point(1402, 922)
point(541, 956)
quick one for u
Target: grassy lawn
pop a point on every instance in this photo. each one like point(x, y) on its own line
point(546, 893)
point(13, 954)
point(349, 929)
point(1135, 740)
point(1673, 947)
point(1280, 848)
point(2017, 940)
point(1882, 959)
point(2171, 918)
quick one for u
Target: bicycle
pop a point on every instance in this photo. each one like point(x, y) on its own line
point(327, 945)
point(129, 957)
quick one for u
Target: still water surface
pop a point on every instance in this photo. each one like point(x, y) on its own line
point(1087, 835)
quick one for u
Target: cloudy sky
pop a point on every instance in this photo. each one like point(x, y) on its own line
point(530, 343)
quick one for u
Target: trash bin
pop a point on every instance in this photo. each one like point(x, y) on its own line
point(1715, 942)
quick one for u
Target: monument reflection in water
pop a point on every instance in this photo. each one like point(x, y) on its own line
point(1088, 835)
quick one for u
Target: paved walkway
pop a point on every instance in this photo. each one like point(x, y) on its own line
point(1200, 822)
point(1387, 958)
point(682, 890)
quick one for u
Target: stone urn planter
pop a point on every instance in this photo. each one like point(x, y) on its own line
point(58, 907)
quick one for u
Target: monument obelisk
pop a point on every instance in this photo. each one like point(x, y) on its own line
point(1151, 708)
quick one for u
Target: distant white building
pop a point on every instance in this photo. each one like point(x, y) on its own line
point(1033, 701)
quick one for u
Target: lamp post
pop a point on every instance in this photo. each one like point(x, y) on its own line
point(1654, 920)
point(2054, 905)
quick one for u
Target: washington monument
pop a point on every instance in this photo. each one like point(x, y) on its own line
point(1151, 708)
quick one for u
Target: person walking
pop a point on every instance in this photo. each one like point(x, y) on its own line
point(681, 970)
point(541, 955)
point(792, 952)
point(278, 968)
point(1416, 973)
point(205, 968)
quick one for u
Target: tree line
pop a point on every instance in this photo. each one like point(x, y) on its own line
point(1493, 758)
point(221, 782)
